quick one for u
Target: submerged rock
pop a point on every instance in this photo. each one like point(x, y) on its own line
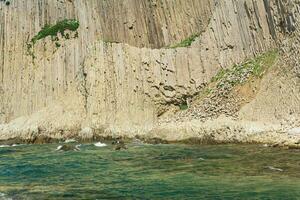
point(119, 145)
point(155, 141)
point(137, 142)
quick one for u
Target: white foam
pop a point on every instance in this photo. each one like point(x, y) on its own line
point(99, 144)
point(59, 147)
point(76, 148)
point(70, 140)
point(14, 145)
point(275, 169)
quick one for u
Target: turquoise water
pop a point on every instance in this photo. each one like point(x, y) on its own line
point(150, 172)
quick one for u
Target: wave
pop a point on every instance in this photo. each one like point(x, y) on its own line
point(59, 148)
point(99, 144)
point(14, 145)
point(70, 141)
point(68, 148)
point(275, 169)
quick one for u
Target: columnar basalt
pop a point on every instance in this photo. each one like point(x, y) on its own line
point(122, 72)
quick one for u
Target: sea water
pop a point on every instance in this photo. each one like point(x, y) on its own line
point(149, 172)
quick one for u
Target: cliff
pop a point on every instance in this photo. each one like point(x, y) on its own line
point(131, 65)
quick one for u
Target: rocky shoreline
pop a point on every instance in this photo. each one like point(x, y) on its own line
point(219, 131)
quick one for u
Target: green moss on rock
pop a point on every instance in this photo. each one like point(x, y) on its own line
point(53, 30)
point(186, 42)
point(183, 106)
point(239, 74)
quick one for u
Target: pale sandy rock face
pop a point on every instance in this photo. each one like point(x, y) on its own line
point(91, 82)
point(27, 87)
point(279, 97)
point(294, 131)
point(129, 87)
point(86, 133)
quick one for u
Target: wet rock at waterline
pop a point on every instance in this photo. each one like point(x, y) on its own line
point(68, 147)
point(119, 145)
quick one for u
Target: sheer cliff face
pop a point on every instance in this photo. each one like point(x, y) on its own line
point(279, 97)
point(31, 86)
point(89, 82)
point(152, 23)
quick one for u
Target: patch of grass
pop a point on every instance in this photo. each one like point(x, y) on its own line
point(241, 73)
point(53, 30)
point(218, 96)
point(185, 43)
point(264, 62)
point(220, 75)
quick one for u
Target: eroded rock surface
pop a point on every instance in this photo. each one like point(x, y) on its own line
point(120, 76)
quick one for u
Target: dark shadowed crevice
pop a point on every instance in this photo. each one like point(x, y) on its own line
point(81, 78)
point(270, 19)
